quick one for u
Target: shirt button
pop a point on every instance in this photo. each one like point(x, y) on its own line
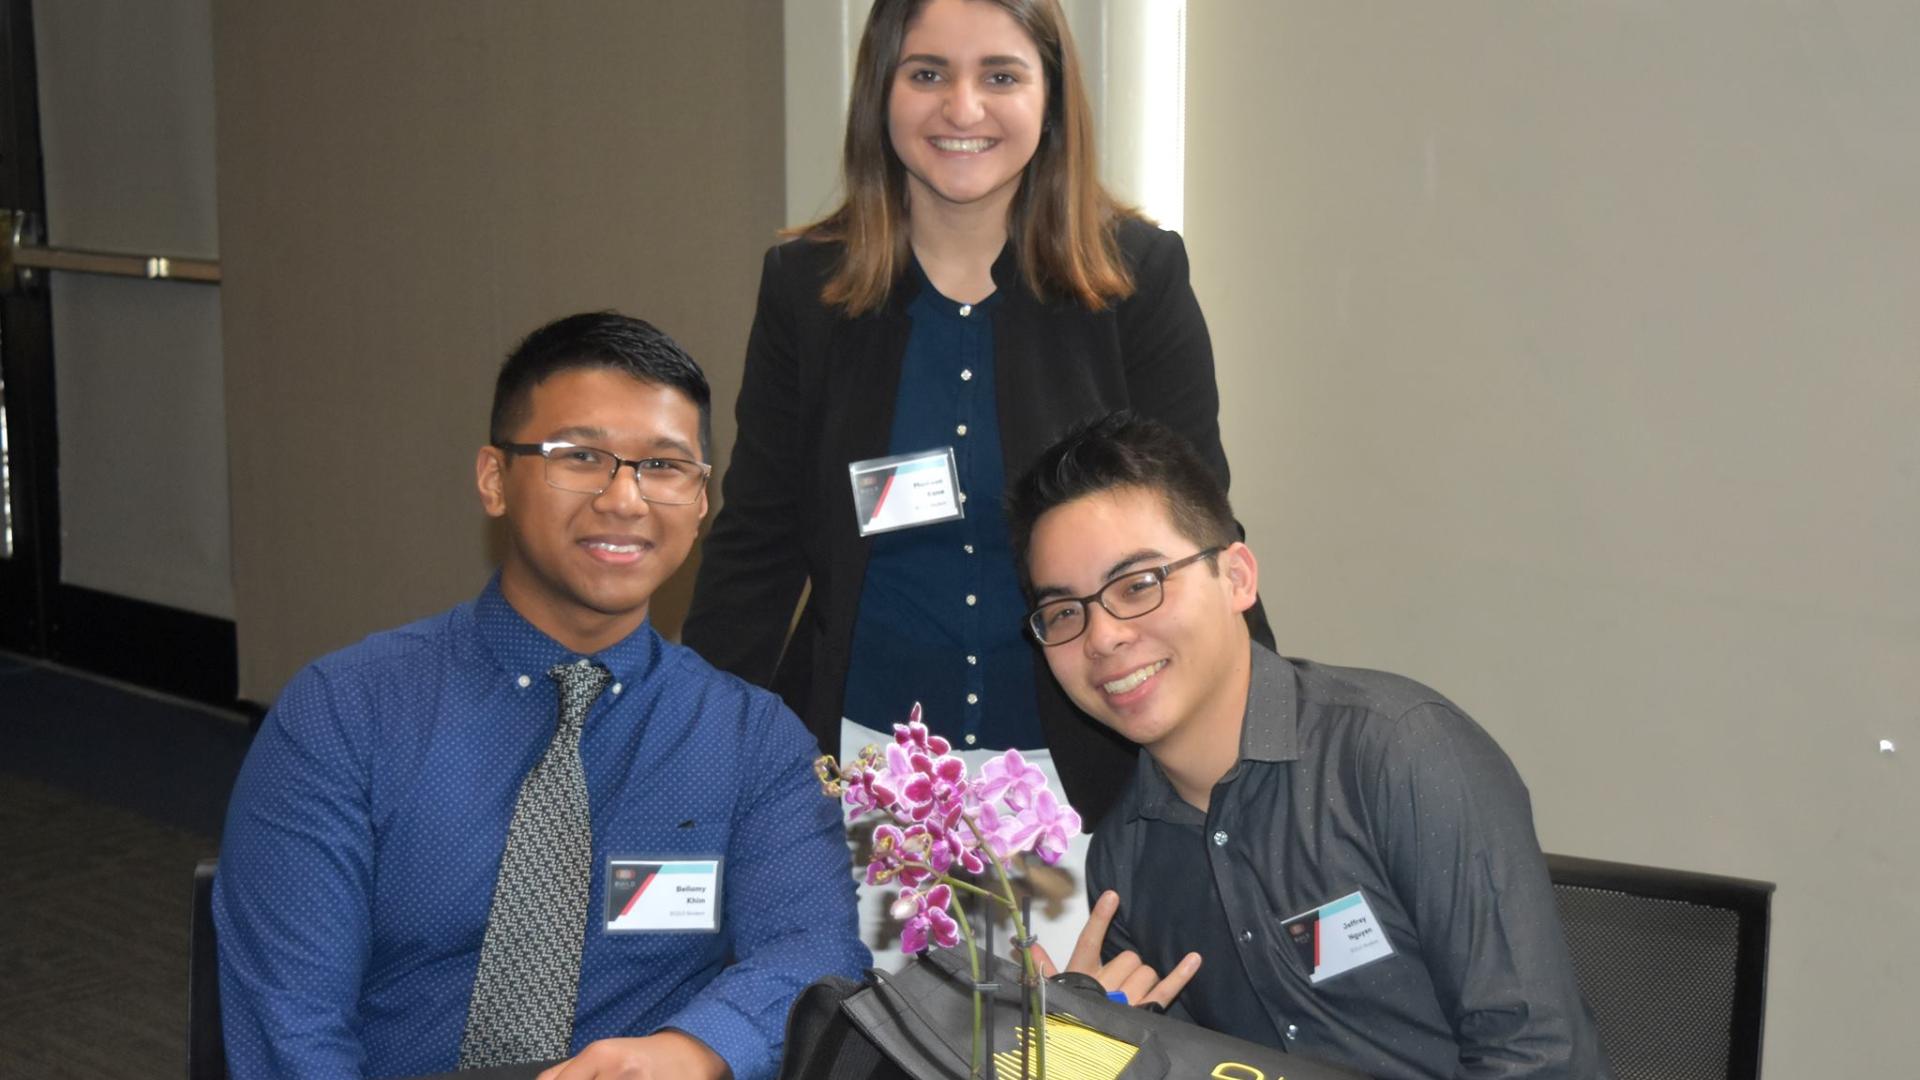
point(524, 681)
point(961, 431)
point(973, 699)
point(971, 739)
point(963, 495)
point(617, 688)
point(1246, 937)
point(1220, 838)
point(968, 548)
point(966, 374)
point(966, 310)
point(972, 599)
point(973, 659)
point(1293, 1032)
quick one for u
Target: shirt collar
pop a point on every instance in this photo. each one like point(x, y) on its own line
point(523, 650)
point(1269, 731)
point(921, 296)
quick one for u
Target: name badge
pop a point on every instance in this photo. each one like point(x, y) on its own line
point(663, 894)
point(905, 490)
point(1336, 938)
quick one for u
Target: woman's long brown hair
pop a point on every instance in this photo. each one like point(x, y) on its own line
point(1062, 220)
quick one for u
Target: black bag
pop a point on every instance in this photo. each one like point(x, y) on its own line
point(921, 1020)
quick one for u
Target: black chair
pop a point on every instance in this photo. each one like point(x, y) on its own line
point(206, 1047)
point(1673, 963)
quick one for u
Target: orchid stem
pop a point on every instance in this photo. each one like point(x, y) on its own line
point(1006, 886)
point(973, 960)
point(1038, 1033)
point(948, 879)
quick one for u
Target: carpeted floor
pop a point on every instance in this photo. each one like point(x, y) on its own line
point(107, 799)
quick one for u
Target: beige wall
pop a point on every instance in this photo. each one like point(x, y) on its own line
point(405, 189)
point(1569, 354)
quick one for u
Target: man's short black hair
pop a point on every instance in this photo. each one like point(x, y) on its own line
point(597, 339)
point(1121, 450)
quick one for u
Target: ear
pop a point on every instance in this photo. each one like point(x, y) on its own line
point(489, 476)
point(1243, 575)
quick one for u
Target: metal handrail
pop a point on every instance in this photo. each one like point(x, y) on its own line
point(20, 257)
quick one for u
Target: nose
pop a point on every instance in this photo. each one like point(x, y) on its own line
point(1106, 634)
point(963, 104)
point(622, 495)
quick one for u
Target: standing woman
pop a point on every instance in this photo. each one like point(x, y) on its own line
point(977, 292)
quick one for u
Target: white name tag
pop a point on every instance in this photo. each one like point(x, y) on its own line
point(1337, 937)
point(905, 490)
point(663, 894)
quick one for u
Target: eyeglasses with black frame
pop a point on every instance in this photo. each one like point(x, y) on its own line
point(590, 470)
point(1139, 592)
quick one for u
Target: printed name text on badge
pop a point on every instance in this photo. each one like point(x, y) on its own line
point(663, 894)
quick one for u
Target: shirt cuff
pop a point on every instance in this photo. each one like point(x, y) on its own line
point(728, 1032)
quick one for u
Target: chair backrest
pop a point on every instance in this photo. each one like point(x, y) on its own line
point(1674, 965)
point(206, 1046)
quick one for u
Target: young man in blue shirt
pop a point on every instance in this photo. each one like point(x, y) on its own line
point(529, 828)
point(1352, 855)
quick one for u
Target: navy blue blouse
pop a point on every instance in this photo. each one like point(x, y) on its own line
point(942, 610)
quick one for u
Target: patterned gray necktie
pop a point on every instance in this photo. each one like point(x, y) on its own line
point(524, 993)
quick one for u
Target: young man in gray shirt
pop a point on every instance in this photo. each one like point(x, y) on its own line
point(1352, 855)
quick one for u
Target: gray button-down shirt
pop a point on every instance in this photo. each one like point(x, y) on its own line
point(1356, 781)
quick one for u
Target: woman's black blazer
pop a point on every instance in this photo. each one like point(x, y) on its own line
point(819, 392)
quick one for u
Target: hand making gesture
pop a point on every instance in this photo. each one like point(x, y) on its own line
point(1125, 972)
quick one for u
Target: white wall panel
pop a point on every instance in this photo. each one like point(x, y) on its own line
point(127, 132)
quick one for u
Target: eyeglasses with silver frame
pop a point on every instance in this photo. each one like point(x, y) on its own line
point(589, 470)
point(1129, 596)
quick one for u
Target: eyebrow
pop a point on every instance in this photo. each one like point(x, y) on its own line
point(585, 435)
point(931, 60)
point(1053, 592)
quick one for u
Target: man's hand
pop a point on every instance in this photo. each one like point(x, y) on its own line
point(667, 1054)
point(1125, 972)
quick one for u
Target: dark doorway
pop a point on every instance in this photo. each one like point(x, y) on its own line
point(44, 611)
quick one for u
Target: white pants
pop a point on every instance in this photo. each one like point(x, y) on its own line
point(1059, 891)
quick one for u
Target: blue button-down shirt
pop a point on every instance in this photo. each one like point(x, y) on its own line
point(367, 825)
point(941, 611)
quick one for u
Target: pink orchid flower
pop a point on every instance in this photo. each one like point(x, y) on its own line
point(952, 846)
point(922, 779)
point(999, 834)
point(926, 919)
point(1009, 775)
point(913, 735)
point(860, 793)
point(899, 855)
point(1053, 825)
